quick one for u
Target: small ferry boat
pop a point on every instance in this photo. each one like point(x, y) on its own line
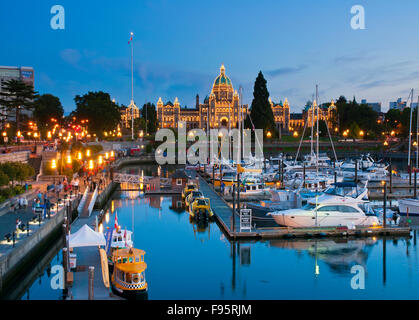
point(201, 209)
point(128, 277)
point(121, 239)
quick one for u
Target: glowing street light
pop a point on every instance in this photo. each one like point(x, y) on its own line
point(107, 155)
point(361, 133)
point(68, 160)
point(79, 156)
point(295, 134)
point(268, 134)
point(88, 153)
point(53, 164)
point(91, 165)
point(100, 160)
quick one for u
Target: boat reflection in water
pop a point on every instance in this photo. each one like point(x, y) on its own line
point(340, 256)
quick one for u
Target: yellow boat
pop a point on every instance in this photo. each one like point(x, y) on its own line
point(128, 277)
point(195, 194)
point(188, 189)
point(201, 208)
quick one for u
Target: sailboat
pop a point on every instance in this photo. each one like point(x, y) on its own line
point(411, 206)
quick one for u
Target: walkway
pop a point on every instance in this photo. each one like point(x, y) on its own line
point(222, 211)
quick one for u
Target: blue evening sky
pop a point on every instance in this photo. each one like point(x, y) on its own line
point(179, 46)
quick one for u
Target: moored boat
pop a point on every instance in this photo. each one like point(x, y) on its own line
point(128, 277)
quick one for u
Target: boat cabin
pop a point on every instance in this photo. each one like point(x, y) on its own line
point(129, 271)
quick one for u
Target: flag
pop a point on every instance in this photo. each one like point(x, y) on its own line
point(130, 39)
point(116, 220)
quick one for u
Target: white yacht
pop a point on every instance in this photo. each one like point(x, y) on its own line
point(343, 204)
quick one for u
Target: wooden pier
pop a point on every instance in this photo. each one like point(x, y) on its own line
point(224, 217)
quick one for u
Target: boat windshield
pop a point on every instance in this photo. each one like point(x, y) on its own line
point(196, 194)
point(309, 207)
point(202, 202)
point(343, 191)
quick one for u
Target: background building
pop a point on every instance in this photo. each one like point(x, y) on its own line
point(399, 104)
point(376, 106)
point(326, 113)
point(25, 74)
point(281, 113)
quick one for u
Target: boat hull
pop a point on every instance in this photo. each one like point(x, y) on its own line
point(308, 221)
point(130, 294)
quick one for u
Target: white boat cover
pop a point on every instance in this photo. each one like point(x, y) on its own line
point(86, 237)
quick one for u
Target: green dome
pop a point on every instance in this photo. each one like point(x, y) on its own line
point(222, 79)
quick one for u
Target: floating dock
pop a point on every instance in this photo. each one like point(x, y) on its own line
point(231, 228)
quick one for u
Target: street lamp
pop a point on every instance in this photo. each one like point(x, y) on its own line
point(88, 153)
point(295, 134)
point(53, 164)
point(268, 134)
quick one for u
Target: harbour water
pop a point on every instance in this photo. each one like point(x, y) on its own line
point(190, 262)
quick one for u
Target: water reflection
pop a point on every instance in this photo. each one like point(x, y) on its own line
point(339, 255)
point(211, 267)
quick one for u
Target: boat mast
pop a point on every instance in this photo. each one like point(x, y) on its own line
point(410, 128)
point(417, 131)
point(317, 121)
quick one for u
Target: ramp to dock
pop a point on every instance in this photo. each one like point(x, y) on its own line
point(220, 207)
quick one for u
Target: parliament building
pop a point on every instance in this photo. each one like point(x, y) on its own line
point(222, 108)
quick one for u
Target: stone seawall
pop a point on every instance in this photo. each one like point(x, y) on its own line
point(14, 261)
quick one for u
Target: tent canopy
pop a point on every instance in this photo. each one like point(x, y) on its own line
point(86, 237)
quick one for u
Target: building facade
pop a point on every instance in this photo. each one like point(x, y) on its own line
point(281, 113)
point(376, 106)
point(399, 104)
point(326, 112)
point(25, 74)
point(128, 113)
point(222, 108)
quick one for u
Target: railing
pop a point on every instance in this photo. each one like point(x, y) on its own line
point(83, 200)
point(92, 201)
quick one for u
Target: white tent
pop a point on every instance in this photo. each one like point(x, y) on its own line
point(86, 237)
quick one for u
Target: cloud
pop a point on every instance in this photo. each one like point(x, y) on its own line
point(71, 56)
point(286, 70)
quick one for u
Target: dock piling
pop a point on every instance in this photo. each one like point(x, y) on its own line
point(391, 178)
point(356, 171)
point(91, 278)
point(385, 205)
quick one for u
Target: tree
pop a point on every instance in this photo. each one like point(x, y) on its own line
point(149, 112)
point(261, 112)
point(103, 114)
point(17, 95)
point(47, 106)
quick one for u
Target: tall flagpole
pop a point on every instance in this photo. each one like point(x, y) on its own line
point(132, 85)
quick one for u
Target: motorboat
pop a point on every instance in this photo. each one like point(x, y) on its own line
point(343, 204)
point(280, 200)
point(200, 209)
point(195, 194)
point(188, 189)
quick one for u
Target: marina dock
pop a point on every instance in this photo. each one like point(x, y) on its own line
point(224, 217)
